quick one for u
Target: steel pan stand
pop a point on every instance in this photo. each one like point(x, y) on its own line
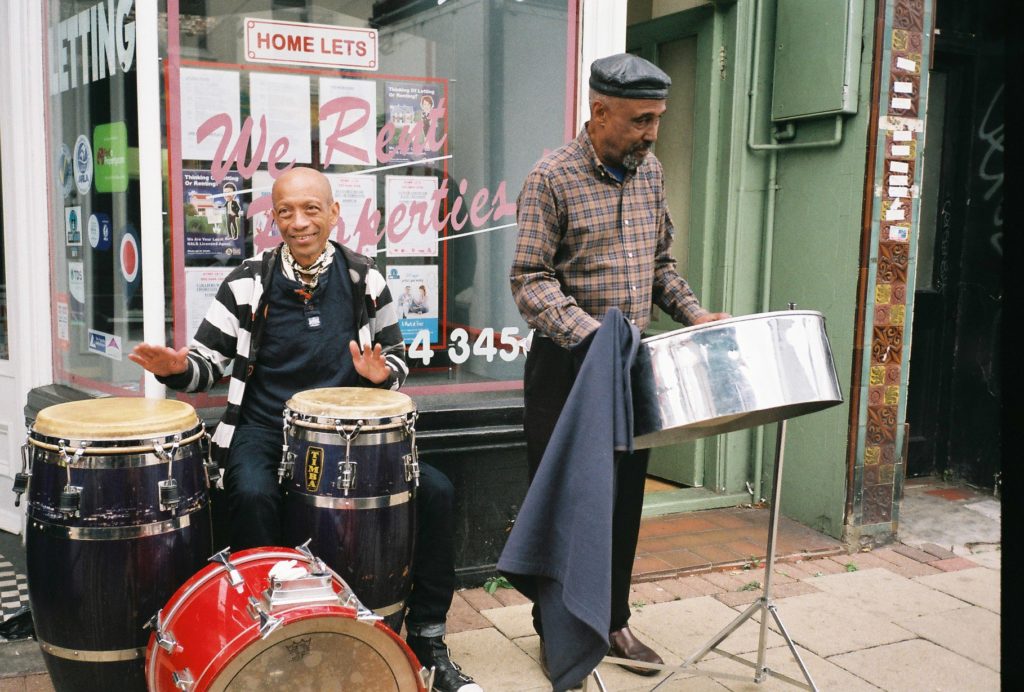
point(764, 605)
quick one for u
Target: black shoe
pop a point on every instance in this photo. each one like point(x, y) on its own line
point(448, 677)
point(623, 644)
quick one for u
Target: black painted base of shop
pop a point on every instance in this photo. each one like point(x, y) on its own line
point(478, 443)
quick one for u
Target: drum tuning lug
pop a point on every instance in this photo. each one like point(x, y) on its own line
point(412, 468)
point(234, 578)
point(284, 471)
point(20, 486)
point(183, 680)
point(169, 495)
point(70, 500)
point(212, 472)
point(346, 476)
point(268, 623)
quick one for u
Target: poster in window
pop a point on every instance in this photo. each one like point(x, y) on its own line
point(73, 226)
point(356, 196)
point(287, 132)
point(415, 111)
point(261, 221)
point(414, 291)
point(209, 98)
point(214, 216)
point(348, 121)
point(410, 226)
point(201, 284)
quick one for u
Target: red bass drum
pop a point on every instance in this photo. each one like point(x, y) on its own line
point(274, 618)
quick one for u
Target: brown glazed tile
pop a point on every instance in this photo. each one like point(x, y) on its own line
point(871, 474)
point(877, 504)
point(462, 617)
point(887, 345)
point(684, 559)
point(903, 565)
point(899, 293)
point(909, 15)
point(954, 564)
point(882, 315)
point(478, 599)
point(893, 259)
point(938, 551)
point(913, 553)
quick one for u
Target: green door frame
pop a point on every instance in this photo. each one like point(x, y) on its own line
point(720, 485)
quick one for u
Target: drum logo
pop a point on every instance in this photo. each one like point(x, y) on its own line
point(314, 468)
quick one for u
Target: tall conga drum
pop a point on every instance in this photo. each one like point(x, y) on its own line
point(350, 472)
point(118, 518)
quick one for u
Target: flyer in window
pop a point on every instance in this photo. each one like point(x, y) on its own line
point(348, 122)
point(287, 131)
point(356, 196)
point(414, 291)
point(416, 112)
point(201, 284)
point(209, 98)
point(409, 223)
point(214, 216)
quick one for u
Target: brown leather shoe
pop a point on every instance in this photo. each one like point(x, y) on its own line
point(544, 666)
point(623, 644)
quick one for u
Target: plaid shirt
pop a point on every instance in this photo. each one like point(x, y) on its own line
point(588, 242)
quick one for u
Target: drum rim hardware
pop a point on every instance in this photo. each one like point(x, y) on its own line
point(347, 468)
point(114, 447)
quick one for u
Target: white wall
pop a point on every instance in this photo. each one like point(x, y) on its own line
point(26, 234)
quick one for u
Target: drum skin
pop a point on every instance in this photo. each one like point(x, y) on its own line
point(731, 374)
point(217, 642)
point(367, 534)
point(95, 579)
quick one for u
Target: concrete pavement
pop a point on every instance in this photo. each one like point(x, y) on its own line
point(921, 614)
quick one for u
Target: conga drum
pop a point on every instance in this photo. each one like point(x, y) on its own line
point(350, 472)
point(118, 518)
point(275, 619)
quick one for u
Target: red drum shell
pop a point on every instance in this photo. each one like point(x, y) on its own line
point(218, 643)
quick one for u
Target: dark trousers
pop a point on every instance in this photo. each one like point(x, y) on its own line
point(255, 503)
point(547, 381)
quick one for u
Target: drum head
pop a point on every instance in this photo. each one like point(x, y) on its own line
point(351, 403)
point(321, 653)
point(116, 418)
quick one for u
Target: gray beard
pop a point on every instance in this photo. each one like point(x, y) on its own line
point(633, 159)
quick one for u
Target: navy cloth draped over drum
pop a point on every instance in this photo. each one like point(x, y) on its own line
point(559, 551)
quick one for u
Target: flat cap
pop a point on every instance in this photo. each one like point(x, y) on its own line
point(630, 77)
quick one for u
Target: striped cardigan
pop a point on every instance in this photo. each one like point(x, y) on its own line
point(231, 332)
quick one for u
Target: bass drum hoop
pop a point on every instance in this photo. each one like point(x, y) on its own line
point(377, 639)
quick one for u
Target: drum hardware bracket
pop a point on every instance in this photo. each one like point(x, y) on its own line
point(287, 467)
point(308, 590)
point(165, 640)
point(234, 578)
point(347, 468)
point(427, 676)
point(168, 489)
point(183, 680)
point(21, 479)
point(412, 464)
point(268, 623)
point(71, 497)
point(212, 469)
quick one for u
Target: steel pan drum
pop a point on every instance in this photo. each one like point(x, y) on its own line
point(729, 375)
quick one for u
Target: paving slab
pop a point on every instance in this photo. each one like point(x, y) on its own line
point(885, 594)
point(739, 677)
point(512, 621)
point(680, 628)
point(495, 662)
point(916, 665)
point(826, 625)
point(980, 586)
point(972, 632)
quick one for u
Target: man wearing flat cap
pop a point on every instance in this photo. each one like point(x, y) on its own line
point(595, 233)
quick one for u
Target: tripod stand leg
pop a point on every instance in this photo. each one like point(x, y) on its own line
point(729, 629)
point(792, 647)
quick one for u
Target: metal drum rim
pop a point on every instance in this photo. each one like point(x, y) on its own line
point(729, 321)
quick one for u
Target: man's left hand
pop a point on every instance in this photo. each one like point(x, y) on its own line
point(712, 317)
point(370, 363)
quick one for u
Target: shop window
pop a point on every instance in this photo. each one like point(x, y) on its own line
point(426, 116)
point(94, 193)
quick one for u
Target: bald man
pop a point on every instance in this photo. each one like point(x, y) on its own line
point(309, 313)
